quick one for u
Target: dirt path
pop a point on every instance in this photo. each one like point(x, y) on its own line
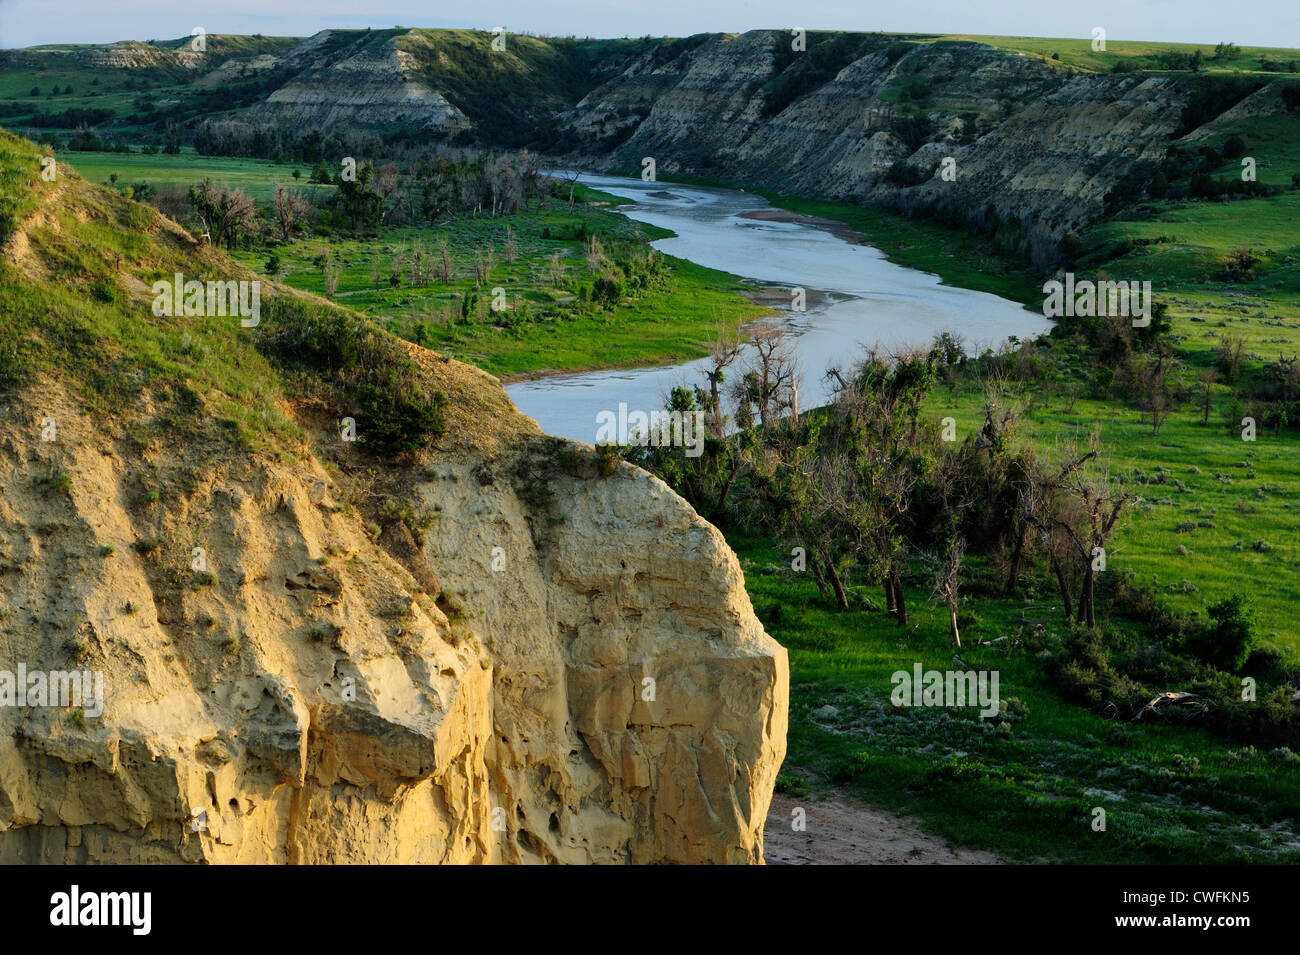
point(842, 831)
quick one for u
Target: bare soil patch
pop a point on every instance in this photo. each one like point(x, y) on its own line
point(842, 831)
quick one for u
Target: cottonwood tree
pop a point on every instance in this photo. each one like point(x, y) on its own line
point(1101, 504)
point(557, 271)
point(946, 577)
point(528, 169)
point(768, 385)
point(875, 427)
point(1205, 378)
point(446, 270)
point(1230, 351)
point(329, 272)
point(807, 496)
point(359, 201)
point(1285, 376)
point(289, 209)
point(994, 465)
point(705, 480)
point(955, 502)
point(723, 351)
point(484, 263)
point(708, 480)
point(1076, 511)
point(1153, 382)
point(1043, 504)
point(226, 215)
point(595, 255)
point(571, 178)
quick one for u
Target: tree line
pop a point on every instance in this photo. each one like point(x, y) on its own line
point(877, 493)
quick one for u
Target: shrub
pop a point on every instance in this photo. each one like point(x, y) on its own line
point(1229, 640)
point(59, 483)
point(148, 545)
point(396, 409)
point(607, 459)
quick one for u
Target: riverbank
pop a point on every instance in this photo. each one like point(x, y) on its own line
point(546, 290)
point(956, 257)
point(835, 295)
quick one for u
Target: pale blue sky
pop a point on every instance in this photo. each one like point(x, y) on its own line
point(1254, 22)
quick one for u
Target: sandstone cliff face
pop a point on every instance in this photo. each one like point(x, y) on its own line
point(640, 708)
point(323, 709)
point(566, 668)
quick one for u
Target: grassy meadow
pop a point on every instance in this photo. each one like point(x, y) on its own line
point(1077, 52)
point(1024, 783)
point(668, 323)
point(257, 177)
point(663, 325)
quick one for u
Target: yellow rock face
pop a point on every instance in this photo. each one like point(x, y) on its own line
point(595, 689)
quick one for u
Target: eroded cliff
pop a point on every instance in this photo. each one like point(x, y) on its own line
point(1031, 145)
point(494, 649)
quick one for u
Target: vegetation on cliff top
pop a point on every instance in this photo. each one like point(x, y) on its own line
point(105, 340)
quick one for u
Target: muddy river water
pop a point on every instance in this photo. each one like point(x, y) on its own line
point(866, 301)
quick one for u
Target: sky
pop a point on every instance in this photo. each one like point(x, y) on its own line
point(1250, 22)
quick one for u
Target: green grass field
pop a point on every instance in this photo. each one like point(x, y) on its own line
point(257, 177)
point(1024, 783)
point(1189, 474)
point(665, 324)
point(1077, 52)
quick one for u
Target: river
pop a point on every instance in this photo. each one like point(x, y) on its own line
point(867, 301)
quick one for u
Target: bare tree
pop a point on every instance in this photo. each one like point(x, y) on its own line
point(1042, 505)
point(330, 273)
point(595, 254)
point(768, 386)
point(285, 214)
point(946, 583)
point(572, 179)
point(557, 270)
point(1076, 509)
point(1101, 505)
point(445, 269)
point(1231, 350)
point(955, 501)
point(1206, 378)
point(1154, 386)
point(722, 353)
point(484, 262)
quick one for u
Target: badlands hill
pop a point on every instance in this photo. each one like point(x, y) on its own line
point(1045, 136)
point(453, 640)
